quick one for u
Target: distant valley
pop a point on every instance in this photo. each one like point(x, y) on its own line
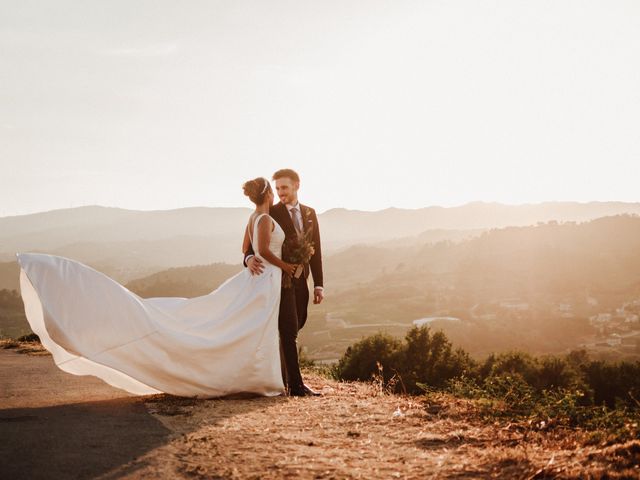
point(545, 287)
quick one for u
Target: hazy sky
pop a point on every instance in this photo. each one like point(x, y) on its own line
point(165, 104)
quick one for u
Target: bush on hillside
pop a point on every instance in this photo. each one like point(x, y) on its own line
point(427, 360)
point(360, 361)
point(423, 358)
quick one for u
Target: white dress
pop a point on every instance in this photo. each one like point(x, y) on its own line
point(216, 344)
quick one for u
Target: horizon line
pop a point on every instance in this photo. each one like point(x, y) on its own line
point(474, 202)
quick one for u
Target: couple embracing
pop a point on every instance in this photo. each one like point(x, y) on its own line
point(241, 337)
point(286, 224)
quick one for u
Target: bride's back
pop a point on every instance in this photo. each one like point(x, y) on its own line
point(277, 235)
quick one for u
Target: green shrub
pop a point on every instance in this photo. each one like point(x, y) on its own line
point(612, 383)
point(429, 359)
point(423, 358)
point(512, 362)
point(359, 362)
point(557, 372)
point(511, 388)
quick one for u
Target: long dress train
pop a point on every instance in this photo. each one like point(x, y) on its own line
point(216, 344)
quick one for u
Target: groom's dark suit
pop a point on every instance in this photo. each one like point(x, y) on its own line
point(294, 301)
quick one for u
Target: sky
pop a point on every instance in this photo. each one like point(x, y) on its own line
point(164, 104)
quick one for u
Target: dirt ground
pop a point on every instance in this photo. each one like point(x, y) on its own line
point(56, 425)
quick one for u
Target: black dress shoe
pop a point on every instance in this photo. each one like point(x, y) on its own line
point(297, 392)
point(310, 391)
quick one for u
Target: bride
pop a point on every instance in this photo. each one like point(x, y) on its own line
point(217, 344)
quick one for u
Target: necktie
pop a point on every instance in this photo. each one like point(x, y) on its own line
point(296, 220)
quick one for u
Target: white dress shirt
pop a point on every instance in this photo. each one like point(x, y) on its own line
point(298, 214)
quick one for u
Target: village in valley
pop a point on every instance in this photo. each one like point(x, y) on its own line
point(604, 329)
point(618, 331)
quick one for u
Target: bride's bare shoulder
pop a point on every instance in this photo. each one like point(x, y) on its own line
point(258, 219)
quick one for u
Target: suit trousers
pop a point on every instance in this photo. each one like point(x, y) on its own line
point(294, 303)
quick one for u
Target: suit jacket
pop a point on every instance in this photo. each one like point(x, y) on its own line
point(281, 215)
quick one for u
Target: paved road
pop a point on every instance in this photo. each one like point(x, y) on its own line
point(57, 425)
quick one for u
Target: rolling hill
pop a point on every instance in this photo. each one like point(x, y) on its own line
point(135, 243)
point(532, 287)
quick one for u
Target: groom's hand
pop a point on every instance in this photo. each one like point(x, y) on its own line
point(255, 266)
point(318, 295)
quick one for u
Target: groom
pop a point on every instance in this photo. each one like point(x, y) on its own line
point(295, 219)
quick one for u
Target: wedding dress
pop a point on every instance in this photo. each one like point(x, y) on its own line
point(216, 344)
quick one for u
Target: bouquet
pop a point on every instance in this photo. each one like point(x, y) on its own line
point(297, 250)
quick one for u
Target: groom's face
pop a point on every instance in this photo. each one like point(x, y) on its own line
point(287, 190)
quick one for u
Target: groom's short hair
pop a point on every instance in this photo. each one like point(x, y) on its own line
point(286, 172)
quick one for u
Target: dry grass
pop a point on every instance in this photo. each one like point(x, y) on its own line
point(30, 348)
point(356, 430)
point(359, 430)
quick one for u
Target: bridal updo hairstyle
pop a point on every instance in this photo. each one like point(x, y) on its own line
point(257, 189)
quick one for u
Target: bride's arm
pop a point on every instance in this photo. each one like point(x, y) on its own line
point(264, 238)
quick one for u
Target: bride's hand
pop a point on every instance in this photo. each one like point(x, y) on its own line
point(290, 268)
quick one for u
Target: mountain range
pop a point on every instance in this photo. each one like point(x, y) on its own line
point(128, 244)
